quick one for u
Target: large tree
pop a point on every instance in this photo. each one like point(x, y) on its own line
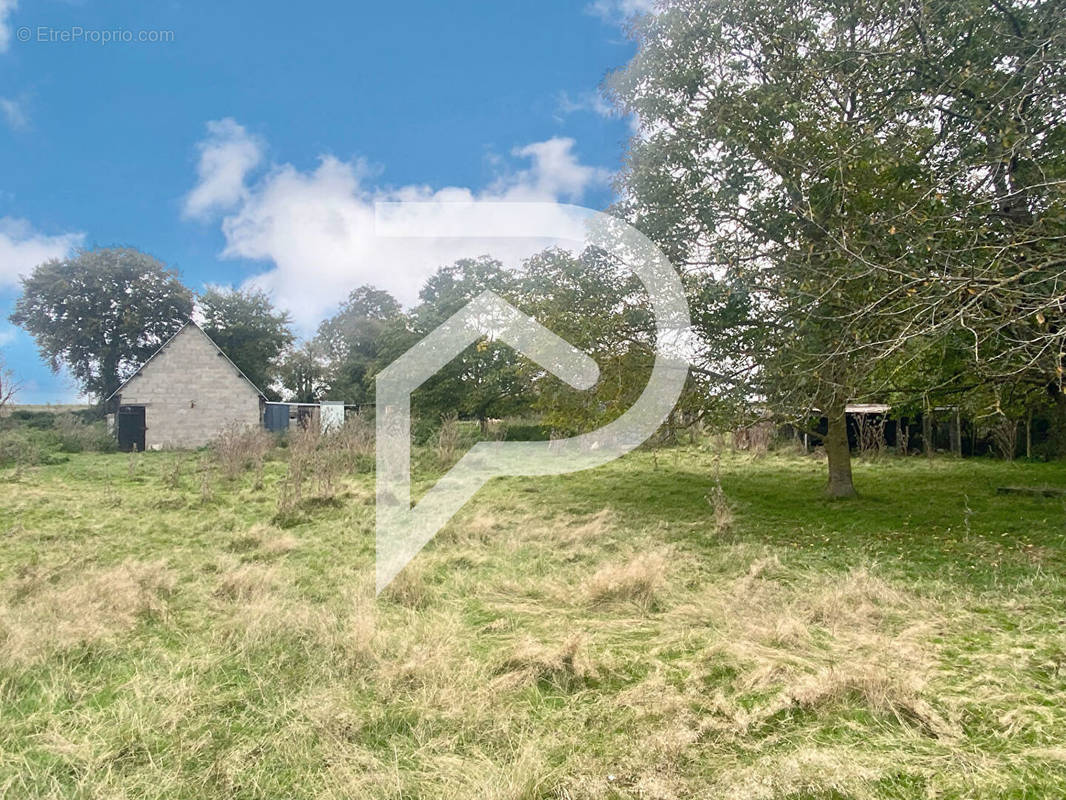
point(101, 313)
point(303, 374)
point(254, 334)
point(600, 307)
point(486, 380)
point(1000, 78)
point(350, 343)
point(812, 167)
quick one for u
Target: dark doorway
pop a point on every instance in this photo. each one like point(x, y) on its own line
point(131, 428)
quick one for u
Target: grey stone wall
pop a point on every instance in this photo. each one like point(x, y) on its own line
point(191, 393)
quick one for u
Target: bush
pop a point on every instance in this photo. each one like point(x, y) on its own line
point(424, 430)
point(74, 435)
point(37, 420)
point(90, 415)
point(526, 432)
point(25, 448)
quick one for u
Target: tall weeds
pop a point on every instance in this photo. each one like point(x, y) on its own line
point(871, 433)
point(319, 461)
point(448, 439)
point(240, 448)
point(355, 441)
point(302, 445)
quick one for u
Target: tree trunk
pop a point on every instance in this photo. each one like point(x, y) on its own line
point(109, 381)
point(1029, 435)
point(927, 429)
point(839, 453)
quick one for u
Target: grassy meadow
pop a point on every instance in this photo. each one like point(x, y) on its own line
point(167, 631)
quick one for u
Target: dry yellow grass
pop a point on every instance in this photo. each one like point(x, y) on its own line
point(80, 610)
point(638, 580)
point(243, 582)
point(563, 664)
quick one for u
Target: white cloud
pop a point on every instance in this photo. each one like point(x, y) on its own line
point(317, 227)
point(227, 156)
point(618, 11)
point(7, 8)
point(595, 103)
point(555, 174)
point(22, 248)
point(13, 112)
point(7, 336)
point(586, 101)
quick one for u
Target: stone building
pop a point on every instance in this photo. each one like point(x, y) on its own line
point(184, 396)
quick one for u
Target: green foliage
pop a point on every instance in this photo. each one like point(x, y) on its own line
point(526, 432)
point(350, 343)
point(74, 435)
point(20, 447)
point(598, 306)
point(303, 374)
point(249, 330)
point(766, 176)
point(485, 381)
point(101, 313)
point(850, 186)
point(424, 429)
point(37, 420)
point(32, 438)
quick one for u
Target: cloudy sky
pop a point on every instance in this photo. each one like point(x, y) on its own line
point(246, 143)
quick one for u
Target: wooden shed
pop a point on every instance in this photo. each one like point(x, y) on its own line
point(184, 396)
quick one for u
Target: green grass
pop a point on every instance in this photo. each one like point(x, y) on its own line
point(582, 636)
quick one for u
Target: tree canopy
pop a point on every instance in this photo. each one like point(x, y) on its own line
point(487, 380)
point(848, 183)
point(101, 313)
point(349, 343)
point(248, 328)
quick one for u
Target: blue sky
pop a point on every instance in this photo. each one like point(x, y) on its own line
point(250, 146)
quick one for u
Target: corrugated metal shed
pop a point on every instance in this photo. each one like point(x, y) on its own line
point(276, 417)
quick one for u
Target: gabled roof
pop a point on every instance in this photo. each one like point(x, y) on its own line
point(164, 346)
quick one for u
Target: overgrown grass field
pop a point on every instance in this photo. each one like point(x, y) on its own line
point(165, 632)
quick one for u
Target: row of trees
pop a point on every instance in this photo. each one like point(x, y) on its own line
point(101, 313)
